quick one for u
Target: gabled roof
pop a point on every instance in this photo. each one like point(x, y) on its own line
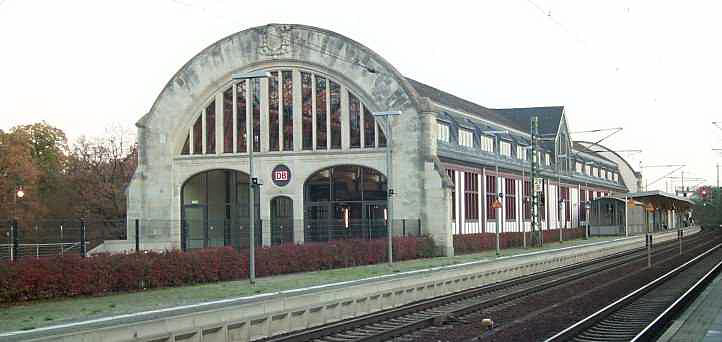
point(451, 101)
point(549, 118)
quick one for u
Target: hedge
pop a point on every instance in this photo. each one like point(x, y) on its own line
point(68, 276)
point(472, 243)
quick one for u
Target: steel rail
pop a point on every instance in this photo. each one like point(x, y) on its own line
point(589, 321)
point(376, 326)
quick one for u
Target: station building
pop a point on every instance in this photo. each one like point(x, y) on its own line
point(319, 152)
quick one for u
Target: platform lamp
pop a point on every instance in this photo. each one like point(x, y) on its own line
point(389, 187)
point(253, 180)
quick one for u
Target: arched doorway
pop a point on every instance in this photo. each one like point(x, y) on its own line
point(215, 210)
point(281, 220)
point(345, 201)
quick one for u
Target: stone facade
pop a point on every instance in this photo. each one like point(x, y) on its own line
point(155, 190)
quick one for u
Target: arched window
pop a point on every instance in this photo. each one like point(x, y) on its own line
point(345, 201)
point(315, 101)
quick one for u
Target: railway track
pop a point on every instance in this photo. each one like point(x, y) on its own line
point(642, 314)
point(438, 313)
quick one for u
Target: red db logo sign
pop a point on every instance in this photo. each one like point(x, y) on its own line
point(281, 175)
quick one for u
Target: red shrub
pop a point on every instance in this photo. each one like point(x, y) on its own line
point(68, 276)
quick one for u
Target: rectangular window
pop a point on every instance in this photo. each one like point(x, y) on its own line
point(241, 117)
point(521, 153)
point(595, 172)
point(587, 170)
point(354, 112)
point(548, 159)
point(486, 143)
point(565, 198)
point(228, 120)
point(505, 149)
point(335, 100)
point(527, 200)
point(211, 128)
point(452, 176)
point(287, 110)
point(443, 132)
point(466, 138)
point(603, 173)
point(369, 134)
point(273, 111)
point(306, 112)
point(490, 197)
point(582, 205)
point(471, 196)
point(198, 136)
point(510, 198)
point(579, 167)
point(321, 128)
point(256, 110)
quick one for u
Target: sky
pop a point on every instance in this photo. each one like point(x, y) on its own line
point(650, 67)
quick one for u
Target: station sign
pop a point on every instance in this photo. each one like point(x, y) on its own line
point(538, 184)
point(281, 175)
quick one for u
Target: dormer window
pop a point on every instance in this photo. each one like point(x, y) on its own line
point(521, 152)
point(505, 149)
point(466, 138)
point(443, 132)
point(486, 143)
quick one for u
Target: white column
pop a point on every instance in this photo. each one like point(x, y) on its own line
point(461, 203)
point(481, 196)
point(220, 118)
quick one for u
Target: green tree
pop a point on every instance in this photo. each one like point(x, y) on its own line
point(707, 206)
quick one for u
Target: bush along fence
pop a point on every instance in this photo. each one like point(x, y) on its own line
point(472, 243)
point(71, 275)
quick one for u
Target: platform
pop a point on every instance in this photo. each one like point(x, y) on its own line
point(253, 317)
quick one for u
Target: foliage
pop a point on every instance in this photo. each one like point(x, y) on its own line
point(472, 243)
point(707, 209)
point(87, 179)
point(68, 276)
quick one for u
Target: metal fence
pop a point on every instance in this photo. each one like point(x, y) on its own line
point(56, 237)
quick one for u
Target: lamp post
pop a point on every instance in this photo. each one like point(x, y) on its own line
point(389, 187)
point(253, 180)
point(19, 193)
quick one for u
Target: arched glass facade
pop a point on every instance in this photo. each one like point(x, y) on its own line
point(294, 110)
point(344, 201)
point(215, 210)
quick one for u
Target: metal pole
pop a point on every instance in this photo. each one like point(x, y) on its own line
point(717, 175)
point(626, 216)
point(523, 206)
point(252, 187)
point(559, 198)
point(389, 189)
point(13, 239)
point(498, 210)
point(137, 235)
point(649, 240)
point(683, 190)
point(83, 250)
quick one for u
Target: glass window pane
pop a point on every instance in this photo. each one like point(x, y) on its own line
point(306, 112)
point(374, 185)
point(228, 120)
point(347, 183)
point(273, 111)
point(198, 136)
point(241, 116)
point(321, 113)
point(354, 110)
point(382, 138)
point(256, 110)
point(186, 147)
point(287, 110)
point(318, 186)
point(335, 101)
point(211, 128)
point(369, 133)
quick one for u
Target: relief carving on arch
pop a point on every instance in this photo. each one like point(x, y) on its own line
point(275, 40)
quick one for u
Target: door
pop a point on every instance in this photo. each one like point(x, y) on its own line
point(195, 220)
point(281, 220)
point(376, 220)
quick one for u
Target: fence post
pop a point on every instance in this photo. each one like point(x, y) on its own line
point(137, 235)
point(419, 225)
point(403, 227)
point(82, 239)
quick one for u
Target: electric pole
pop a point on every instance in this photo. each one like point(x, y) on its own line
point(536, 184)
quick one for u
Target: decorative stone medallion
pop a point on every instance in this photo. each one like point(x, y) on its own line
point(275, 40)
